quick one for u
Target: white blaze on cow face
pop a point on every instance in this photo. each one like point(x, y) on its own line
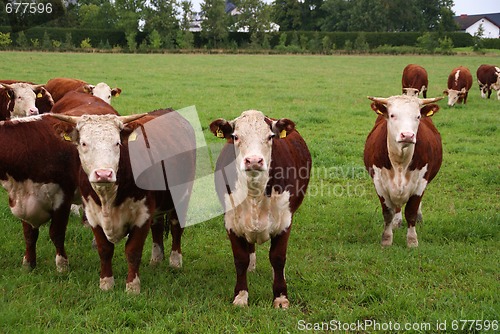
point(455, 96)
point(253, 142)
point(99, 146)
point(104, 92)
point(403, 118)
point(24, 97)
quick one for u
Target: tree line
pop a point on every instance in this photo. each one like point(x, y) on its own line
point(165, 24)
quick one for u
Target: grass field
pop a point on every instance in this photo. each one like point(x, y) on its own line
point(336, 269)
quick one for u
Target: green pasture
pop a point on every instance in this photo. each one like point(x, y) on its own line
point(336, 268)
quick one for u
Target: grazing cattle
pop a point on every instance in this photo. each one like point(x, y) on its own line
point(58, 87)
point(115, 206)
point(459, 83)
point(403, 153)
point(261, 178)
point(415, 80)
point(19, 99)
point(43, 102)
point(488, 78)
point(39, 173)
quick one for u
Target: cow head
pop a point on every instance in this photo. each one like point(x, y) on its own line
point(22, 98)
point(403, 114)
point(455, 96)
point(411, 91)
point(102, 91)
point(252, 135)
point(98, 141)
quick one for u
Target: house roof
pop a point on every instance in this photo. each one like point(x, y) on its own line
point(465, 21)
point(230, 6)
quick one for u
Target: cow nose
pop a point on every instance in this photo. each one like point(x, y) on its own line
point(407, 136)
point(34, 111)
point(254, 162)
point(104, 175)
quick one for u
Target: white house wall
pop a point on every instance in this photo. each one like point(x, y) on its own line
point(490, 30)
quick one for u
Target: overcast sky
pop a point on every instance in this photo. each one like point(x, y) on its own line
point(461, 6)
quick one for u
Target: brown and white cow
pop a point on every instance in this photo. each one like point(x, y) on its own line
point(39, 171)
point(488, 78)
point(261, 178)
point(19, 99)
point(43, 102)
point(115, 206)
point(415, 80)
point(58, 87)
point(403, 153)
point(459, 83)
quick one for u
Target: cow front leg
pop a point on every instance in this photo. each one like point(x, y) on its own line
point(241, 255)
point(133, 252)
point(411, 214)
point(389, 216)
point(176, 230)
point(157, 232)
point(30, 238)
point(277, 257)
point(106, 249)
point(57, 232)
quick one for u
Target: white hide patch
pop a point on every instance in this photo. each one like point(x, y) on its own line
point(281, 302)
point(396, 186)
point(31, 201)
point(175, 259)
point(106, 283)
point(116, 220)
point(62, 265)
point(156, 254)
point(253, 262)
point(241, 299)
point(134, 287)
point(258, 218)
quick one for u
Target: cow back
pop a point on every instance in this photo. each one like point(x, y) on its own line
point(464, 79)
point(414, 76)
point(77, 103)
point(58, 87)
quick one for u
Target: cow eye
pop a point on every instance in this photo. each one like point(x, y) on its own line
point(84, 144)
point(392, 116)
point(418, 117)
point(271, 136)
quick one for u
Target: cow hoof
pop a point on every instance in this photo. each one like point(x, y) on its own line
point(156, 254)
point(253, 262)
point(281, 302)
point(386, 240)
point(62, 264)
point(175, 259)
point(28, 265)
point(106, 283)
point(412, 242)
point(134, 287)
point(241, 299)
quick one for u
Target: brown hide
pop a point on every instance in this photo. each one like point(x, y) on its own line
point(415, 76)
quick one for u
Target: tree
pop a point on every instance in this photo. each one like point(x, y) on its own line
point(161, 15)
point(185, 37)
point(255, 17)
point(215, 25)
point(128, 14)
point(287, 14)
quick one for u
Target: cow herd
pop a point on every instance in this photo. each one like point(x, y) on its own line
point(68, 145)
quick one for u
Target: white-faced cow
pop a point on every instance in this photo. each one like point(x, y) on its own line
point(115, 206)
point(403, 153)
point(261, 178)
point(415, 80)
point(43, 102)
point(459, 83)
point(58, 87)
point(19, 99)
point(488, 78)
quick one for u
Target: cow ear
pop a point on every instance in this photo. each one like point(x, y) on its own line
point(445, 92)
point(116, 92)
point(282, 127)
point(429, 109)
point(379, 108)
point(66, 131)
point(88, 89)
point(221, 128)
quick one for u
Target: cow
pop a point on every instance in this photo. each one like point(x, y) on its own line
point(261, 178)
point(459, 83)
point(58, 87)
point(19, 99)
point(488, 78)
point(39, 173)
point(402, 154)
point(415, 80)
point(43, 102)
point(114, 205)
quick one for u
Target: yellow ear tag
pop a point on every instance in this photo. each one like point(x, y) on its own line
point(283, 134)
point(219, 133)
point(379, 112)
point(66, 137)
point(117, 94)
point(430, 113)
point(39, 95)
point(132, 137)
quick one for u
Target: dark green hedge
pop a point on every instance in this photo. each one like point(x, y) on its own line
point(114, 37)
point(491, 43)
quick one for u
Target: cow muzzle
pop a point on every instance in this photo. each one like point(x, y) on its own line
point(103, 175)
point(254, 163)
point(33, 111)
point(407, 138)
